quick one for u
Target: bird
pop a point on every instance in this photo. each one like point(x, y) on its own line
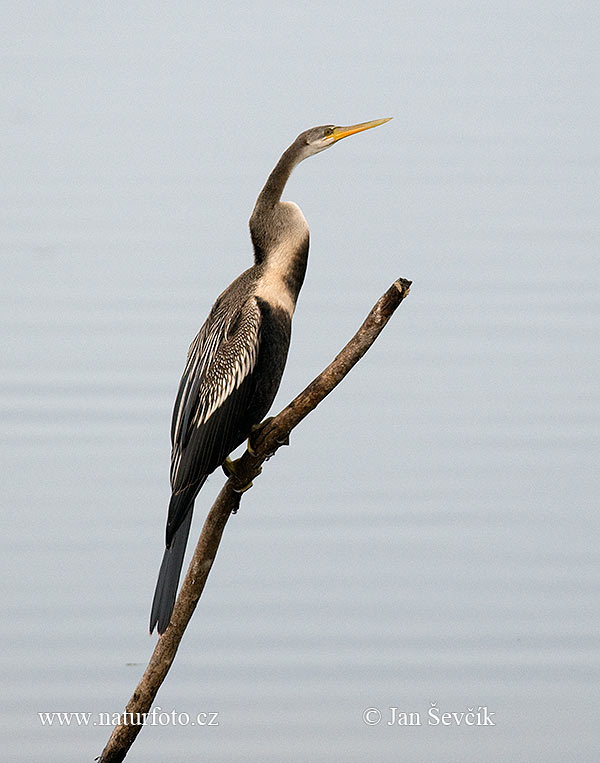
point(236, 361)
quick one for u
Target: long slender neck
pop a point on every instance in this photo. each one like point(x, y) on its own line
point(278, 228)
point(280, 235)
point(273, 188)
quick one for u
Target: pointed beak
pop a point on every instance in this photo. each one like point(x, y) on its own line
point(343, 132)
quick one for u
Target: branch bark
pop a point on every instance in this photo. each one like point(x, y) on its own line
point(265, 441)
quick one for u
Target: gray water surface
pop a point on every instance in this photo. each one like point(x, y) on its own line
point(429, 541)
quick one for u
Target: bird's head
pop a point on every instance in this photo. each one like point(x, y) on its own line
point(272, 220)
point(319, 138)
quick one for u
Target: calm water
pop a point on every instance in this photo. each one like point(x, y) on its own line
point(431, 535)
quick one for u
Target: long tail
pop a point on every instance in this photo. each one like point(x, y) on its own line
point(168, 577)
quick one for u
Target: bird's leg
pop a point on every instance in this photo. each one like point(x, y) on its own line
point(230, 469)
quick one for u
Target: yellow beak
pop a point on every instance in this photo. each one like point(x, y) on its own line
point(343, 132)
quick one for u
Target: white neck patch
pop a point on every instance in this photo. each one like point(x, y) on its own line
point(272, 285)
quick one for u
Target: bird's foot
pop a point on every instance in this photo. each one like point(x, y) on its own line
point(230, 469)
point(255, 433)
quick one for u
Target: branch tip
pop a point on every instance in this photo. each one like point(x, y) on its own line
point(403, 285)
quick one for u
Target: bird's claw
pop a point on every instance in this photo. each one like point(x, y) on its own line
point(230, 469)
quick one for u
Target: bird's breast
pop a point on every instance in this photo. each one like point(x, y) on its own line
point(273, 288)
point(283, 268)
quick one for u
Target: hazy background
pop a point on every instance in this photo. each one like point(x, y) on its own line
point(431, 535)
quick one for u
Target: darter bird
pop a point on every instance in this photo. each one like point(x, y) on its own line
point(235, 363)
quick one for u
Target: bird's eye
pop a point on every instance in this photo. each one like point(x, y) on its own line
point(327, 132)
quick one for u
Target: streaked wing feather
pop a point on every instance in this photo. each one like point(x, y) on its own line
point(214, 391)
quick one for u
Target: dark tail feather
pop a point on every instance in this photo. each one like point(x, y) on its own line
point(168, 577)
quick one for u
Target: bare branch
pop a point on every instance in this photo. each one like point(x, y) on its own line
point(269, 437)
